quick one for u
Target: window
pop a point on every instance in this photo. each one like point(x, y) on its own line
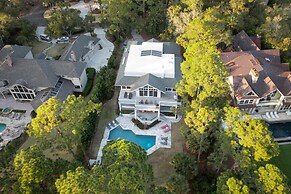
point(245, 101)
point(170, 90)
point(148, 91)
point(251, 93)
point(285, 107)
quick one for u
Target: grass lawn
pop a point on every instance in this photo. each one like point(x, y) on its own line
point(160, 159)
point(38, 47)
point(283, 161)
point(58, 50)
point(106, 116)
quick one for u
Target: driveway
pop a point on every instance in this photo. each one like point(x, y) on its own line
point(36, 16)
point(99, 58)
point(83, 7)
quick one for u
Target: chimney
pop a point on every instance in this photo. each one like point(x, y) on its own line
point(8, 60)
point(255, 75)
point(73, 56)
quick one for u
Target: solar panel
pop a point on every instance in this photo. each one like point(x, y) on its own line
point(146, 53)
point(156, 53)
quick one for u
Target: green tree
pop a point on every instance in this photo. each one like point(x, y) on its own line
point(123, 170)
point(60, 123)
point(121, 15)
point(276, 28)
point(82, 181)
point(185, 165)
point(271, 180)
point(33, 171)
point(177, 184)
point(252, 141)
point(64, 21)
point(126, 167)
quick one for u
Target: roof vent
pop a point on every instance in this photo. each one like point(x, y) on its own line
point(267, 59)
point(255, 75)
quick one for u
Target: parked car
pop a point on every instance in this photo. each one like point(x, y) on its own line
point(63, 39)
point(45, 37)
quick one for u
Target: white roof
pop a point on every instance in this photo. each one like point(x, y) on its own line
point(149, 58)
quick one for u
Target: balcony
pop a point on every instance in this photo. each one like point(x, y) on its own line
point(268, 102)
point(167, 99)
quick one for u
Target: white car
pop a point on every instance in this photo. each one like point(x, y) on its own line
point(63, 39)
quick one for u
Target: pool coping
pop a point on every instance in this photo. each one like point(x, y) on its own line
point(126, 123)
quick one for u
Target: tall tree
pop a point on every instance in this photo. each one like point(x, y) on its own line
point(252, 141)
point(271, 180)
point(276, 30)
point(64, 22)
point(123, 170)
point(33, 171)
point(60, 123)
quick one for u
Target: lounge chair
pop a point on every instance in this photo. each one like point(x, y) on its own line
point(272, 115)
point(164, 126)
point(167, 129)
point(164, 138)
point(268, 115)
point(116, 122)
point(276, 115)
point(108, 126)
point(164, 142)
point(125, 95)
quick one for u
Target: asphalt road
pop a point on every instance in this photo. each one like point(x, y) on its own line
point(36, 16)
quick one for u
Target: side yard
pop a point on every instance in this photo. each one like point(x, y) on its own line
point(160, 159)
point(283, 161)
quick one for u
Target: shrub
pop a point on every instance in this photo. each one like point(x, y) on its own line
point(90, 73)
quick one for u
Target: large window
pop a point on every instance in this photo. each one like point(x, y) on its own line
point(245, 101)
point(20, 92)
point(285, 107)
point(148, 91)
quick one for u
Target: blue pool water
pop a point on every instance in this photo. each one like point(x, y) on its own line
point(145, 141)
point(280, 130)
point(2, 127)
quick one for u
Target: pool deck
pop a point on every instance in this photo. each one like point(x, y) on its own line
point(15, 121)
point(271, 117)
point(126, 123)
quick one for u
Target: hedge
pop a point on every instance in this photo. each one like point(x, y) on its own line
point(90, 75)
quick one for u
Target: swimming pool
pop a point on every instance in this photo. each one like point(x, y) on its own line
point(145, 141)
point(280, 130)
point(2, 127)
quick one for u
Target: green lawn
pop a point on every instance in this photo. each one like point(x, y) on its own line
point(283, 161)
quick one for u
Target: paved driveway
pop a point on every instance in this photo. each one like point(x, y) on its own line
point(99, 58)
point(36, 16)
point(83, 7)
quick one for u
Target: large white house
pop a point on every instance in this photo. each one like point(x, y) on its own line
point(148, 74)
point(35, 80)
point(259, 81)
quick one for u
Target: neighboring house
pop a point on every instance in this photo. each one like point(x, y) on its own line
point(147, 77)
point(36, 80)
point(259, 81)
point(81, 49)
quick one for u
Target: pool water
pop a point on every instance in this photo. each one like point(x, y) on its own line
point(6, 110)
point(280, 130)
point(145, 141)
point(2, 127)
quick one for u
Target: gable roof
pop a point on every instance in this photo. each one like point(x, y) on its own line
point(148, 79)
point(80, 47)
point(39, 73)
point(242, 42)
point(272, 74)
point(14, 51)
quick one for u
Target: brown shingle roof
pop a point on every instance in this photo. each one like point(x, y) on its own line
point(242, 42)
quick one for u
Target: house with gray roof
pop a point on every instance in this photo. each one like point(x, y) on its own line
point(81, 48)
point(259, 81)
point(35, 80)
point(147, 76)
